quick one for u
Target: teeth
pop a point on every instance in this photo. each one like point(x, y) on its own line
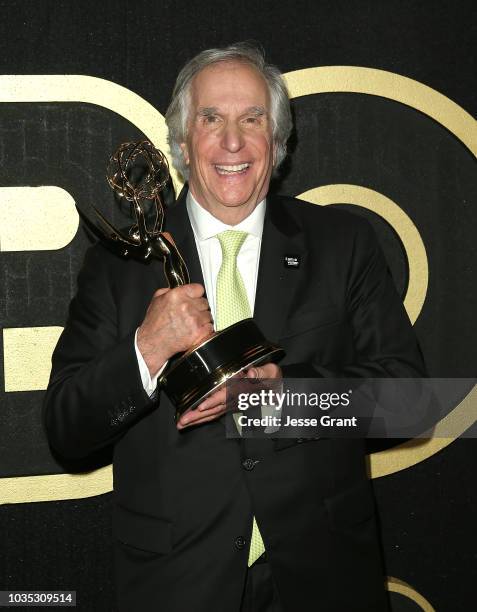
point(232, 169)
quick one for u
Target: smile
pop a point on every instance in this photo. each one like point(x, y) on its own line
point(236, 169)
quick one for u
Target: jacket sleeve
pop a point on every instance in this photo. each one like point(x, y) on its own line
point(95, 391)
point(383, 340)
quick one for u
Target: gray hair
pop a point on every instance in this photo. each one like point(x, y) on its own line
point(177, 114)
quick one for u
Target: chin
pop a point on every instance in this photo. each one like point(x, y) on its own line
point(234, 202)
point(236, 205)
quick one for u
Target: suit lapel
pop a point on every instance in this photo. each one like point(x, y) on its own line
point(276, 283)
point(178, 224)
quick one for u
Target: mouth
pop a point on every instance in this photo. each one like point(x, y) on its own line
point(232, 169)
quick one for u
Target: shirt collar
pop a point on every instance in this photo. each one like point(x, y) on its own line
point(206, 226)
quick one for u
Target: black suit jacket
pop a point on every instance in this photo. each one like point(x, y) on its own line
point(184, 500)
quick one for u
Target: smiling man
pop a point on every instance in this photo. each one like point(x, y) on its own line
point(202, 522)
point(229, 144)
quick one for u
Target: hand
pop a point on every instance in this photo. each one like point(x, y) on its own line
point(267, 370)
point(176, 320)
point(215, 405)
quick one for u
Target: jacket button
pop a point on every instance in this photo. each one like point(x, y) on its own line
point(240, 542)
point(249, 464)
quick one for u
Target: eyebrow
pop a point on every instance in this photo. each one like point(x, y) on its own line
point(258, 111)
point(207, 111)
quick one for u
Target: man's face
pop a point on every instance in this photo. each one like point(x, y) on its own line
point(229, 146)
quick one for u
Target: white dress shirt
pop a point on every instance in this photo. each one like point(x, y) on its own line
point(205, 227)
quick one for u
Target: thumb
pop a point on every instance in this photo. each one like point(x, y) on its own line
point(162, 291)
point(253, 372)
point(194, 290)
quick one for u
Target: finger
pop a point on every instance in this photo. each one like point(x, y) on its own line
point(215, 399)
point(214, 410)
point(193, 290)
point(204, 317)
point(253, 373)
point(194, 416)
point(202, 304)
point(270, 370)
point(256, 375)
point(208, 330)
point(207, 418)
point(204, 419)
point(160, 292)
point(203, 333)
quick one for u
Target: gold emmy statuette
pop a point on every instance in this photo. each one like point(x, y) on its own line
point(139, 173)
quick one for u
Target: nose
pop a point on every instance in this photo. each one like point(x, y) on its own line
point(232, 138)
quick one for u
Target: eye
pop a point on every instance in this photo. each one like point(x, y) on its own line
point(211, 119)
point(254, 121)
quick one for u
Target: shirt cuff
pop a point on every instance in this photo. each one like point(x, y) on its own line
point(149, 384)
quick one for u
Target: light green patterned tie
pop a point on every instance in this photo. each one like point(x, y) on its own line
point(232, 300)
point(232, 305)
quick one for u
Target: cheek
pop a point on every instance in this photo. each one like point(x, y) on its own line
point(204, 152)
point(264, 148)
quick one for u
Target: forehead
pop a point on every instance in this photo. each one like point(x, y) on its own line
point(229, 83)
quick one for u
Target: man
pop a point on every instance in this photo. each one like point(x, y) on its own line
point(193, 510)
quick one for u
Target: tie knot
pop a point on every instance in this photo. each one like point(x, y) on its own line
point(231, 242)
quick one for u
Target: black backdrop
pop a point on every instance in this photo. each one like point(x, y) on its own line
point(429, 537)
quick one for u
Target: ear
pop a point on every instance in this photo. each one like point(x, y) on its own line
point(274, 155)
point(185, 152)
